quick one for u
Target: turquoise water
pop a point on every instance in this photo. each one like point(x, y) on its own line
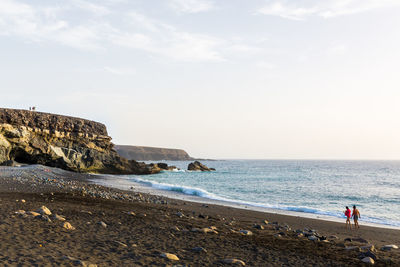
point(318, 187)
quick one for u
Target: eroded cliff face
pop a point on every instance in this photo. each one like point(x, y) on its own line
point(151, 153)
point(59, 141)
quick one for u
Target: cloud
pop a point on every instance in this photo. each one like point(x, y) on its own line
point(120, 70)
point(191, 6)
point(301, 9)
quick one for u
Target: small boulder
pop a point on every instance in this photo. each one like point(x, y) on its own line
point(103, 224)
point(44, 210)
point(258, 226)
point(170, 256)
point(68, 226)
point(368, 260)
point(389, 247)
point(197, 166)
point(245, 232)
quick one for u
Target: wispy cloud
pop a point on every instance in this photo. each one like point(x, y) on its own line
point(191, 6)
point(120, 70)
point(299, 10)
point(104, 26)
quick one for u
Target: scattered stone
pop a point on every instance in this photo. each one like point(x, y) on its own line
point(245, 232)
point(353, 248)
point(102, 224)
point(121, 244)
point(258, 226)
point(44, 218)
point(44, 210)
point(368, 254)
point(369, 247)
point(34, 214)
point(68, 226)
point(20, 212)
point(234, 261)
point(347, 239)
point(180, 214)
point(277, 235)
point(300, 235)
point(313, 238)
point(325, 241)
point(389, 247)
point(266, 222)
point(205, 230)
point(58, 217)
point(131, 213)
point(199, 249)
point(170, 256)
point(368, 260)
point(23, 200)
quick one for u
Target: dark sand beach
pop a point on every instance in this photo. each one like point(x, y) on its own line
point(128, 228)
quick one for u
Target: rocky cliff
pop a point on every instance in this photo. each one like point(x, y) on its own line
point(151, 153)
point(59, 141)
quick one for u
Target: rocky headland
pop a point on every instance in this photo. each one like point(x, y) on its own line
point(64, 142)
point(151, 153)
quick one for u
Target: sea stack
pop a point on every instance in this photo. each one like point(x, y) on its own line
point(198, 166)
point(68, 143)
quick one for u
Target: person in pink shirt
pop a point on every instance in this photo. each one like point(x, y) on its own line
point(347, 213)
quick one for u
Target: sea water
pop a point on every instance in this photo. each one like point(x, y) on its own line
point(306, 186)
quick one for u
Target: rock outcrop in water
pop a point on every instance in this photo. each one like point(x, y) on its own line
point(151, 153)
point(59, 141)
point(198, 166)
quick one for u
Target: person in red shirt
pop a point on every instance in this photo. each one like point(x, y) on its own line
point(347, 213)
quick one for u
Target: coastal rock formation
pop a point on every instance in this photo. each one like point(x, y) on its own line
point(151, 153)
point(198, 166)
point(64, 142)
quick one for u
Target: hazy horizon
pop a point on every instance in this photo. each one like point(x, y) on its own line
point(266, 79)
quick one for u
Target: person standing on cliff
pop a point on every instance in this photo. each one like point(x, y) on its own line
point(347, 213)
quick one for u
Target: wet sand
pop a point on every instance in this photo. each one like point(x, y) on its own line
point(140, 227)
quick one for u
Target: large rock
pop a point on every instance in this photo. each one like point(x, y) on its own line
point(59, 141)
point(198, 166)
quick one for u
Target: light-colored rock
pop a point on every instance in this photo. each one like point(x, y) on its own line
point(44, 210)
point(266, 222)
point(58, 217)
point(170, 256)
point(20, 212)
point(313, 238)
point(23, 200)
point(234, 261)
point(68, 226)
point(258, 226)
point(389, 247)
point(131, 213)
point(368, 260)
point(102, 224)
point(121, 244)
point(33, 213)
point(245, 232)
point(369, 247)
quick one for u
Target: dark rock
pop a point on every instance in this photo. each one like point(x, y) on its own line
point(347, 239)
point(197, 166)
point(68, 143)
point(367, 254)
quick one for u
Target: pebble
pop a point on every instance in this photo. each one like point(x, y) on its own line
point(369, 247)
point(352, 248)
point(234, 261)
point(121, 244)
point(23, 200)
point(102, 224)
point(258, 226)
point(58, 217)
point(199, 249)
point(313, 238)
point(368, 260)
point(44, 218)
point(245, 232)
point(389, 247)
point(68, 226)
point(33, 213)
point(44, 210)
point(170, 256)
point(20, 212)
point(266, 222)
point(131, 213)
point(368, 254)
point(180, 214)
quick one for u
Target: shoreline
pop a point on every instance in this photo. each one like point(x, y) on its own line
point(123, 184)
point(140, 227)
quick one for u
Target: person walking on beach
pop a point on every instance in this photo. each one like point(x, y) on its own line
point(356, 216)
point(347, 213)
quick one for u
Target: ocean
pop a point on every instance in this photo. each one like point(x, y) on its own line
point(306, 187)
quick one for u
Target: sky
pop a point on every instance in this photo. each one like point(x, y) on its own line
point(260, 79)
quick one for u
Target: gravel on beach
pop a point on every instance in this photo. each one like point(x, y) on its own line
point(51, 217)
